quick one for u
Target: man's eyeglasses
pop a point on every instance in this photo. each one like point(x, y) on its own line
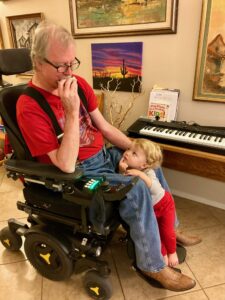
point(64, 68)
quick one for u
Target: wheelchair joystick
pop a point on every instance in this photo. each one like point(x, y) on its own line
point(69, 188)
point(105, 186)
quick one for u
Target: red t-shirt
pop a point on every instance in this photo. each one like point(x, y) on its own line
point(38, 131)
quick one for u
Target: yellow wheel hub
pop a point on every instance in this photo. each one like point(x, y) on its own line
point(46, 257)
point(95, 290)
point(7, 242)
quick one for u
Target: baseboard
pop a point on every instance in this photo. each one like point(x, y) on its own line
point(198, 199)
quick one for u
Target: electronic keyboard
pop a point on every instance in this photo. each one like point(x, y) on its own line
point(181, 134)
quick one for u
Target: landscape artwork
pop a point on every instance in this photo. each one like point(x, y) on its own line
point(97, 13)
point(117, 66)
point(107, 18)
point(1, 40)
point(210, 67)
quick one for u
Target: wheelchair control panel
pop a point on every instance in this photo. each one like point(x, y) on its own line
point(75, 183)
point(91, 184)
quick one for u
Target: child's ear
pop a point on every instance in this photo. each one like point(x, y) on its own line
point(145, 166)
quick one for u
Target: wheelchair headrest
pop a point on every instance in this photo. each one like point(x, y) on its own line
point(8, 100)
point(15, 61)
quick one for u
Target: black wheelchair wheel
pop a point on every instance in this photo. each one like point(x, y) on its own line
point(96, 286)
point(47, 255)
point(10, 240)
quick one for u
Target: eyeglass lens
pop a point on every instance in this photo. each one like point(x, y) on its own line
point(73, 67)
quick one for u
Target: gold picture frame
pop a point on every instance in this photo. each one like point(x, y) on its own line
point(209, 83)
point(1, 40)
point(124, 18)
point(21, 29)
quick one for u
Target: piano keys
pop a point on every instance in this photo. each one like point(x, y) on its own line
point(181, 134)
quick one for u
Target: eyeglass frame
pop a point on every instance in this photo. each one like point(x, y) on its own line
point(77, 63)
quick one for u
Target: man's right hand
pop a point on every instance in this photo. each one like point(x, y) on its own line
point(67, 90)
point(65, 156)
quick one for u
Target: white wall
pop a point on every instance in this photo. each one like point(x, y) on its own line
point(168, 60)
point(207, 191)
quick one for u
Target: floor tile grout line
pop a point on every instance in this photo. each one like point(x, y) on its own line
point(204, 227)
point(117, 272)
point(197, 281)
point(183, 293)
point(13, 262)
point(203, 290)
point(215, 285)
point(42, 285)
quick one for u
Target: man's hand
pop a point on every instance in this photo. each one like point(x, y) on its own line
point(67, 90)
point(65, 156)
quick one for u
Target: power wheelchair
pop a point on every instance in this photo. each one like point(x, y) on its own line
point(59, 237)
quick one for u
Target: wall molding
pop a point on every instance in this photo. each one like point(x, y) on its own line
point(198, 199)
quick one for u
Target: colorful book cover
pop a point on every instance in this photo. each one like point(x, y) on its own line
point(163, 104)
point(158, 111)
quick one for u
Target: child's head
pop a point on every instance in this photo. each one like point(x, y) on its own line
point(143, 154)
point(152, 152)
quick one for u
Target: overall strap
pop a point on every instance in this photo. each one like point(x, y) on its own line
point(40, 99)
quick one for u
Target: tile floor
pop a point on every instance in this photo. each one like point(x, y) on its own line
point(205, 262)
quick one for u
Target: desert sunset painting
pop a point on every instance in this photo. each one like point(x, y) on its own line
point(117, 62)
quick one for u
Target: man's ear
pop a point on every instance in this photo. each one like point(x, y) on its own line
point(38, 64)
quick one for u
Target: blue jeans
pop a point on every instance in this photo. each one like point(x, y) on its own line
point(136, 209)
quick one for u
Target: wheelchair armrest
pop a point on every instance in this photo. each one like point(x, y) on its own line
point(31, 168)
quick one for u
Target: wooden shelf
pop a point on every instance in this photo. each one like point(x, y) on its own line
point(191, 152)
point(195, 162)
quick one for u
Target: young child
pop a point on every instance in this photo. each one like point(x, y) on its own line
point(141, 160)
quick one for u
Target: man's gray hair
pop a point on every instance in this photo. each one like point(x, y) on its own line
point(45, 33)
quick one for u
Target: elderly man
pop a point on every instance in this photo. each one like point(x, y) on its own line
point(54, 60)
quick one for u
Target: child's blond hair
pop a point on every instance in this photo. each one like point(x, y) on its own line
point(152, 151)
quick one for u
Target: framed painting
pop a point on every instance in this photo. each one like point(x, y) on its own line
point(122, 17)
point(117, 66)
point(1, 40)
point(21, 29)
point(209, 84)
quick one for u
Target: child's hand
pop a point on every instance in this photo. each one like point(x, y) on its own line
point(122, 167)
point(141, 175)
point(134, 172)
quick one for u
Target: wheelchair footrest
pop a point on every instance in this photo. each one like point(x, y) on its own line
point(88, 263)
point(17, 226)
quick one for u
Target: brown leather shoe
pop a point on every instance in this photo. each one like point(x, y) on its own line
point(171, 279)
point(187, 240)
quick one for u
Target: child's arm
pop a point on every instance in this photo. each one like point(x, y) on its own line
point(141, 174)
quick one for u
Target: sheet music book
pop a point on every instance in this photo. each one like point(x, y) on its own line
point(163, 104)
